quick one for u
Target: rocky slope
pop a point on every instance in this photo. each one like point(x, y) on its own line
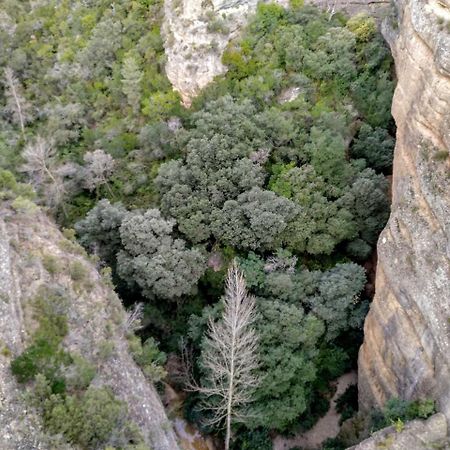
point(407, 340)
point(96, 321)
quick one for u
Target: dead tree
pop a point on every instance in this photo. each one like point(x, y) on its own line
point(44, 174)
point(230, 357)
point(99, 167)
point(16, 103)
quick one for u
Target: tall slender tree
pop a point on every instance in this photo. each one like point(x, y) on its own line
point(230, 357)
point(16, 104)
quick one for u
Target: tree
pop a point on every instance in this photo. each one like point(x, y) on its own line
point(375, 145)
point(320, 223)
point(44, 172)
point(288, 346)
point(99, 167)
point(131, 82)
point(367, 200)
point(160, 265)
point(217, 167)
point(99, 53)
point(332, 56)
point(99, 230)
point(255, 220)
point(229, 357)
point(16, 104)
point(336, 301)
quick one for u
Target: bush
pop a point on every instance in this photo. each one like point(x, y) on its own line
point(51, 264)
point(148, 357)
point(24, 205)
point(77, 271)
point(397, 411)
point(44, 354)
point(88, 420)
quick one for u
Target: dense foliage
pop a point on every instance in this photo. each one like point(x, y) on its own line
point(398, 411)
point(281, 162)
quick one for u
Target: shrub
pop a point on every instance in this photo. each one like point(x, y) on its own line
point(363, 27)
point(88, 420)
point(51, 264)
point(80, 374)
point(44, 354)
point(41, 357)
point(77, 271)
point(398, 411)
point(148, 357)
point(441, 155)
point(24, 205)
point(105, 350)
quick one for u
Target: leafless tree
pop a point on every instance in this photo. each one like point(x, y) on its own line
point(280, 262)
point(230, 357)
point(44, 174)
point(16, 104)
point(99, 167)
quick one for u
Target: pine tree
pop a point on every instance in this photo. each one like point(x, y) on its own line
point(131, 82)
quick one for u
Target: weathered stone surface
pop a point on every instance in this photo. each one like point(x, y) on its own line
point(196, 33)
point(416, 435)
point(95, 318)
point(407, 340)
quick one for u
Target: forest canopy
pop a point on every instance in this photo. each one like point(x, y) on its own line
point(280, 164)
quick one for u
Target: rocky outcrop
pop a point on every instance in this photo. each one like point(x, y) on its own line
point(196, 33)
point(96, 323)
point(416, 435)
point(406, 350)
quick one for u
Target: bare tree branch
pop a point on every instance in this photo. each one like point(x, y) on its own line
point(44, 173)
point(99, 167)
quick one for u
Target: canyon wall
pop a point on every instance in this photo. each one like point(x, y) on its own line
point(406, 350)
point(96, 322)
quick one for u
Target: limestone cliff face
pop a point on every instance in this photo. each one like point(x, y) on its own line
point(95, 317)
point(406, 350)
point(196, 33)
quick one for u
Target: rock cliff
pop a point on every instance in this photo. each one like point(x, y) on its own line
point(407, 331)
point(95, 317)
point(196, 33)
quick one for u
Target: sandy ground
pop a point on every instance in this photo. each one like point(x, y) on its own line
point(327, 427)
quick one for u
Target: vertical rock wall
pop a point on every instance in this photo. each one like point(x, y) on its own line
point(406, 350)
